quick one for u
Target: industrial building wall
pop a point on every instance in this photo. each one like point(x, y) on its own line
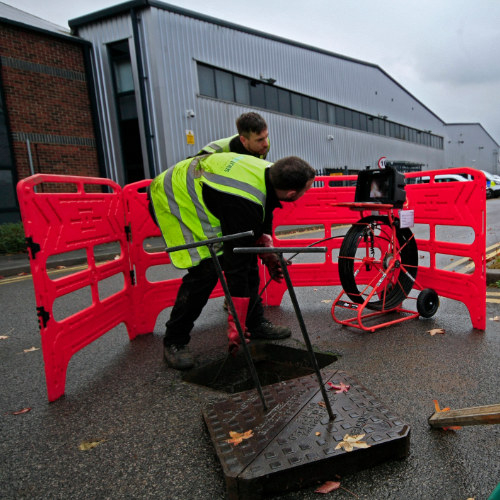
point(470, 145)
point(171, 46)
point(183, 41)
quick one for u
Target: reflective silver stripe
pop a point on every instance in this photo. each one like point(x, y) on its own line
point(192, 174)
point(215, 146)
point(174, 209)
point(243, 186)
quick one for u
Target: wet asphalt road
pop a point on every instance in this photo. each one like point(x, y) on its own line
point(153, 442)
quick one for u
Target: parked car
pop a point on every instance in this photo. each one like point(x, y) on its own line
point(492, 185)
point(444, 178)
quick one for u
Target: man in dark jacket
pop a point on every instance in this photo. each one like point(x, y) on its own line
point(214, 195)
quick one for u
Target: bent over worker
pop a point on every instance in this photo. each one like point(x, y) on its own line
point(218, 195)
point(252, 138)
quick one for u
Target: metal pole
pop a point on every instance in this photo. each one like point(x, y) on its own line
point(210, 244)
point(280, 251)
point(303, 329)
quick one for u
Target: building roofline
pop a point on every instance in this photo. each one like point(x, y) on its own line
point(461, 124)
point(55, 34)
point(137, 4)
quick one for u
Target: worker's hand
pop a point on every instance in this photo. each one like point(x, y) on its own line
point(273, 264)
point(265, 240)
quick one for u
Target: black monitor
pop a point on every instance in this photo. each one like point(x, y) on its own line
point(385, 185)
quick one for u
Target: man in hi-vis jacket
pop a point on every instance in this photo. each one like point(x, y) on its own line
point(215, 195)
point(252, 138)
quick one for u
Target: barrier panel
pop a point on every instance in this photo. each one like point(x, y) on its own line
point(57, 223)
point(150, 298)
point(435, 204)
point(69, 223)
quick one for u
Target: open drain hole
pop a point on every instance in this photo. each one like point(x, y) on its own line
point(274, 363)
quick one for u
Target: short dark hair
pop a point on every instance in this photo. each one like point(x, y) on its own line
point(291, 172)
point(250, 122)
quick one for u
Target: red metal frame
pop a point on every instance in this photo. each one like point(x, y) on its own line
point(376, 280)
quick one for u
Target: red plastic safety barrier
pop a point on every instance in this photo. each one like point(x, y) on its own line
point(153, 296)
point(58, 223)
point(461, 204)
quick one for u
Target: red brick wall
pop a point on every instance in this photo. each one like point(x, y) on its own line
point(41, 101)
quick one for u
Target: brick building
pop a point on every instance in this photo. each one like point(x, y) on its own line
point(46, 105)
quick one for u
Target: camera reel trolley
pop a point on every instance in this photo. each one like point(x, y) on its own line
point(378, 259)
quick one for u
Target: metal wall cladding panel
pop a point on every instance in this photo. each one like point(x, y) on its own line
point(173, 43)
point(468, 144)
point(182, 41)
point(100, 34)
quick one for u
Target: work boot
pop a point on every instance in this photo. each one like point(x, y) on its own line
point(267, 331)
point(178, 357)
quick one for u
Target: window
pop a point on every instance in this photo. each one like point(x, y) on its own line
point(296, 104)
point(227, 86)
point(242, 90)
point(322, 112)
point(271, 97)
point(206, 80)
point(331, 114)
point(339, 116)
point(224, 85)
point(284, 102)
point(257, 95)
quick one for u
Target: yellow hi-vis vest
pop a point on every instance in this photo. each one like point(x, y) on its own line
point(223, 146)
point(178, 203)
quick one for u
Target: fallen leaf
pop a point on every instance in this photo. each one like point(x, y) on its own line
point(495, 318)
point(4, 337)
point(22, 274)
point(88, 445)
point(439, 410)
point(318, 433)
point(351, 442)
point(238, 437)
point(327, 487)
point(436, 330)
point(31, 349)
point(322, 404)
point(326, 301)
point(338, 388)
point(61, 267)
point(20, 412)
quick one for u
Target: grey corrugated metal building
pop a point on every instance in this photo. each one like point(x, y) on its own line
point(167, 77)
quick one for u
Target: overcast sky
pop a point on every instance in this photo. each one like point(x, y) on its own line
point(444, 52)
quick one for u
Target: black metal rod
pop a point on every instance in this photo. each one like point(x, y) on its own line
point(303, 329)
point(210, 244)
point(229, 299)
point(279, 251)
point(210, 241)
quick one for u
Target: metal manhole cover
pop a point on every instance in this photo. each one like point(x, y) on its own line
point(294, 442)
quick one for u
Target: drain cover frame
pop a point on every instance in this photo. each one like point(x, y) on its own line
point(294, 442)
point(231, 373)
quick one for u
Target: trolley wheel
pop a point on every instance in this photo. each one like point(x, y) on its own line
point(427, 303)
point(368, 248)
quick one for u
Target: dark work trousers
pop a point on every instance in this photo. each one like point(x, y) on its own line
point(194, 292)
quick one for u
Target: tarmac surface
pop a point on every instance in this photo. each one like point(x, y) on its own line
point(152, 441)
